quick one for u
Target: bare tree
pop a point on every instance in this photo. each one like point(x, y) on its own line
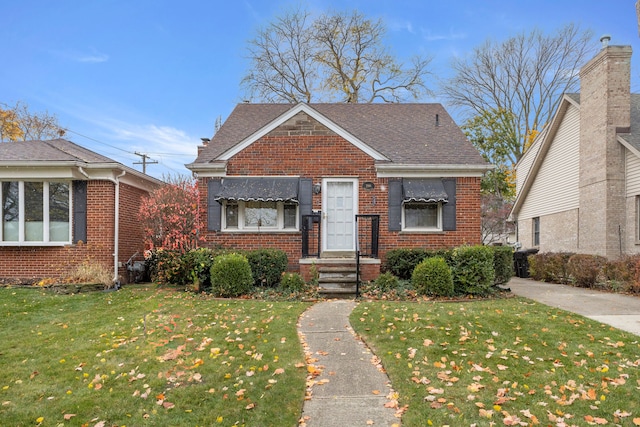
point(337, 56)
point(17, 123)
point(525, 75)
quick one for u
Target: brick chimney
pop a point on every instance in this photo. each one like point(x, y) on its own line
point(605, 109)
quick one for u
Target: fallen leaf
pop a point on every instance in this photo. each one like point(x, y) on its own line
point(68, 416)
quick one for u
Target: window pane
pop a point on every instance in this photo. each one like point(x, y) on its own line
point(33, 211)
point(420, 215)
point(231, 216)
point(58, 212)
point(10, 207)
point(260, 214)
point(290, 215)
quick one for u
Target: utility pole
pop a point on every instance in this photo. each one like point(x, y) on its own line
point(145, 161)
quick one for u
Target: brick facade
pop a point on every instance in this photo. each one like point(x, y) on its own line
point(28, 264)
point(303, 147)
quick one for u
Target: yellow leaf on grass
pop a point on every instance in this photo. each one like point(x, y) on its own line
point(39, 420)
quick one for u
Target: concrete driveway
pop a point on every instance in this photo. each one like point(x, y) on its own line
point(618, 310)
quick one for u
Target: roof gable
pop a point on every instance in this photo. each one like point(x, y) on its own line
point(278, 121)
point(541, 146)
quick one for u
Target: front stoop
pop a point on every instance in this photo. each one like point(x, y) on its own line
point(337, 281)
point(337, 276)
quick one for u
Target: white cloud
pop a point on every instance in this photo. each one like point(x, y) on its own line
point(92, 57)
point(395, 25)
point(429, 36)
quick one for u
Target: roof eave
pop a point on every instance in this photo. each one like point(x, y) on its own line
point(211, 169)
point(391, 170)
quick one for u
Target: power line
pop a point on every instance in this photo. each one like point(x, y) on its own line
point(146, 160)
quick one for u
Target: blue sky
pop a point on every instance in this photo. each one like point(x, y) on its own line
point(152, 76)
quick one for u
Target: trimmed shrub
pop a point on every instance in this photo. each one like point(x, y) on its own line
point(292, 282)
point(502, 264)
point(585, 269)
point(196, 265)
point(165, 267)
point(472, 270)
point(231, 276)
point(402, 262)
point(432, 277)
point(267, 266)
point(550, 267)
point(384, 283)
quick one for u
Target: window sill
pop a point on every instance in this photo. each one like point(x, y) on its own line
point(264, 231)
point(33, 244)
point(422, 232)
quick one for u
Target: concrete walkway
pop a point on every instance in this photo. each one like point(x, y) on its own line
point(618, 310)
point(350, 390)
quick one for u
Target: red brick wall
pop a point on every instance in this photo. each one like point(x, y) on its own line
point(131, 238)
point(32, 263)
point(324, 155)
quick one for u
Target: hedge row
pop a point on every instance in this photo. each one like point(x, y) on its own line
point(588, 271)
point(466, 270)
point(193, 269)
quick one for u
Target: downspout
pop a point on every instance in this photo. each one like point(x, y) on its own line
point(116, 236)
point(116, 241)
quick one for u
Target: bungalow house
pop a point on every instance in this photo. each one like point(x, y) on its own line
point(578, 185)
point(326, 181)
point(62, 205)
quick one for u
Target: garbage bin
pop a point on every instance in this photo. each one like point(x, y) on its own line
point(521, 262)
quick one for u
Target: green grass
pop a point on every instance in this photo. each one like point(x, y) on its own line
point(148, 357)
point(503, 362)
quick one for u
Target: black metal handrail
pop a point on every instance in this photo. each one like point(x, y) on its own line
point(368, 228)
point(311, 229)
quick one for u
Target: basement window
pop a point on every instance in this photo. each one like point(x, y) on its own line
point(35, 213)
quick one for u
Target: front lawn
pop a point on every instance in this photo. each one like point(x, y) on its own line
point(143, 356)
point(503, 362)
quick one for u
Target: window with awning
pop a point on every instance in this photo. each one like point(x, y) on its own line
point(258, 189)
point(422, 204)
point(258, 203)
point(424, 191)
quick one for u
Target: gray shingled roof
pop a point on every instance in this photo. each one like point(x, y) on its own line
point(56, 150)
point(404, 133)
point(633, 137)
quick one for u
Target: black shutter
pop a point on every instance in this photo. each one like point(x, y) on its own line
point(214, 208)
point(305, 197)
point(79, 189)
point(449, 209)
point(395, 204)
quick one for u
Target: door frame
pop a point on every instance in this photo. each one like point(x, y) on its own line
point(325, 182)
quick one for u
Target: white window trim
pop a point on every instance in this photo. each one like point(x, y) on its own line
point(438, 228)
point(45, 218)
point(279, 228)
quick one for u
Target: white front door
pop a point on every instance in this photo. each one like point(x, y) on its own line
point(340, 206)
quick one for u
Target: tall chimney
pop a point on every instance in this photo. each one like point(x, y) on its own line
point(605, 108)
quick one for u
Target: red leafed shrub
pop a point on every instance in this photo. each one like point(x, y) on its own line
point(170, 215)
point(585, 270)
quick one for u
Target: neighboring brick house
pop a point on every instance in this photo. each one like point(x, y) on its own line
point(314, 179)
point(578, 186)
point(62, 205)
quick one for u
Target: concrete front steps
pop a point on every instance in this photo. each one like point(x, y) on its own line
point(337, 281)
